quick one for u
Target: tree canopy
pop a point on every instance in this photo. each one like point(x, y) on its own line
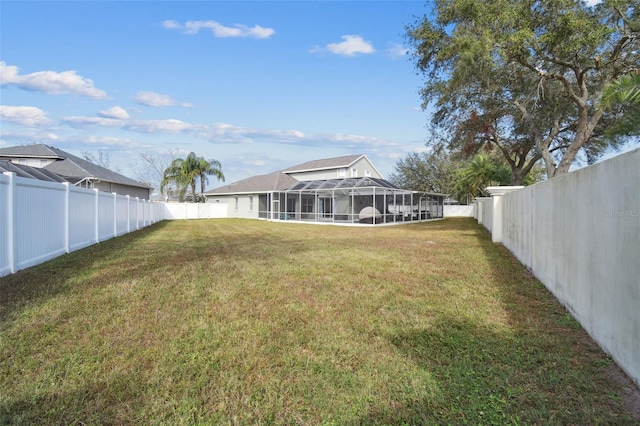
point(426, 172)
point(526, 77)
point(462, 179)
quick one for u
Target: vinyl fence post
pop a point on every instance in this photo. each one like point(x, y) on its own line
point(128, 214)
point(137, 213)
point(67, 217)
point(11, 224)
point(97, 216)
point(115, 214)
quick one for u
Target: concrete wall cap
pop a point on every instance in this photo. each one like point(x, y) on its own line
point(501, 190)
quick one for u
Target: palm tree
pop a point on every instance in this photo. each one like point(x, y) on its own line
point(184, 172)
point(209, 168)
point(624, 91)
point(481, 172)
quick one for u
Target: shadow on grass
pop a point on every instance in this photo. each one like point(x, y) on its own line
point(138, 254)
point(41, 282)
point(540, 367)
point(84, 405)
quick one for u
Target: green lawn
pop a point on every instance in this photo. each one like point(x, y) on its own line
point(252, 322)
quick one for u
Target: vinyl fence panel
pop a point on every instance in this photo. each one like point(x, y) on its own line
point(194, 210)
point(122, 213)
point(41, 220)
point(82, 214)
point(106, 217)
point(38, 209)
point(133, 214)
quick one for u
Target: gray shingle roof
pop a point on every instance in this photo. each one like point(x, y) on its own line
point(327, 163)
point(276, 181)
point(29, 172)
point(68, 165)
point(280, 180)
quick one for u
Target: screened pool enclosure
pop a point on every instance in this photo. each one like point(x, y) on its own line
point(363, 200)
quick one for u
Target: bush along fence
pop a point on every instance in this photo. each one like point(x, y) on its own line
point(579, 234)
point(42, 220)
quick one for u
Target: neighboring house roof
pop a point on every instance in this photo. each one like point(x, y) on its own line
point(68, 165)
point(281, 180)
point(29, 172)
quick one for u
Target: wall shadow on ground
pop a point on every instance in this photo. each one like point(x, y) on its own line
point(536, 366)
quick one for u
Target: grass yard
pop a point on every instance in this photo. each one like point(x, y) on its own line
point(251, 322)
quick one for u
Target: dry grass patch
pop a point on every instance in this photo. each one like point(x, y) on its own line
point(252, 322)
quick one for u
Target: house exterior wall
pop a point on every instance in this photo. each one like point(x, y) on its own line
point(242, 209)
point(131, 191)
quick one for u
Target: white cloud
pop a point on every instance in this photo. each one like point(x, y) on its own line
point(170, 24)
point(75, 121)
point(228, 133)
point(219, 30)
point(107, 141)
point(154, 99)
point(395, 51)
point(19, 137)
point(114, 112)
point(50, 82)
point(24, 115)
point(592, 2)
point(158, 126)
point(350, 46)
point(144, 126)
point(231, 134)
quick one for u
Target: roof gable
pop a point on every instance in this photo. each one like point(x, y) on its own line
point(324, 164)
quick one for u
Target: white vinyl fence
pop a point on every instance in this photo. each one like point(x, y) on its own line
point(175, 211)
point(580, 236)
point(458, 211)
point(42, 220)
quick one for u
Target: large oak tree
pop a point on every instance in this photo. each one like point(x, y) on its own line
point(526, 77)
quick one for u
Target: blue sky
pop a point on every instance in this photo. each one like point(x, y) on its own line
point(259, 86)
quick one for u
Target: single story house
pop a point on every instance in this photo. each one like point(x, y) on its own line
point(345, 189)
point(75, 170)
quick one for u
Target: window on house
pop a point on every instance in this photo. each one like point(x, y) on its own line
point(367, 173)
point(342, 173)
point(354, 172)
point(236, 202)
point(307, 205)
